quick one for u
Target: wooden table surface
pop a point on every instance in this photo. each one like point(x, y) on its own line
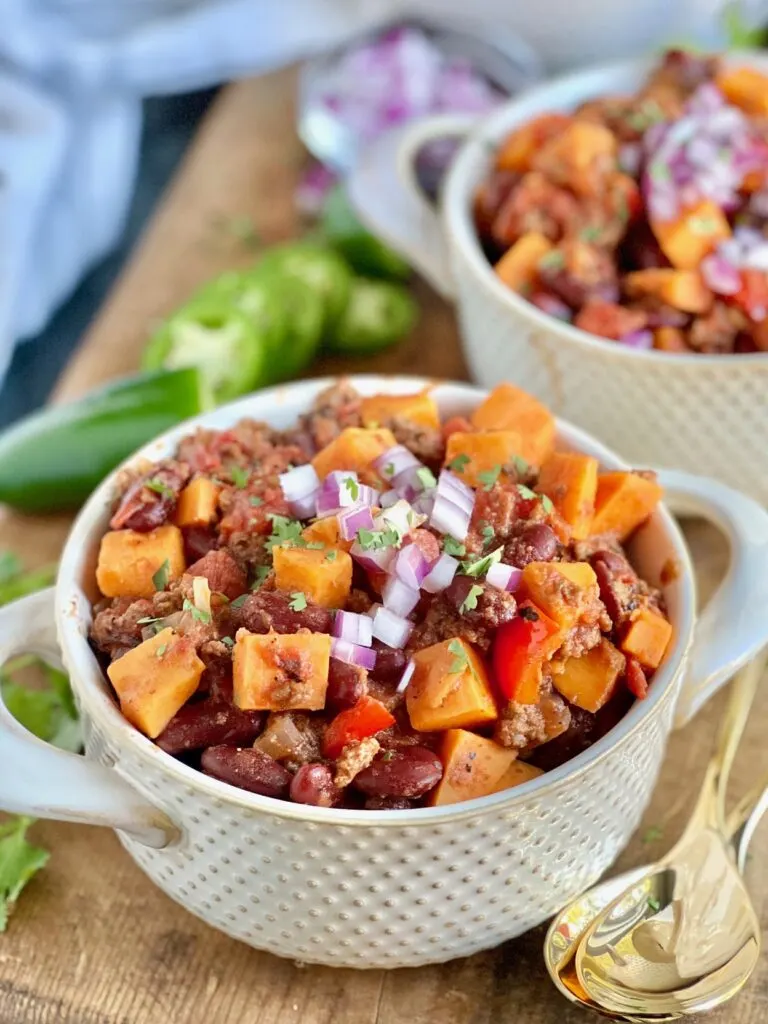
point(92, 941)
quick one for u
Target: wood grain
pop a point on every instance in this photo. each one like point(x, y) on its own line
point(92, 941)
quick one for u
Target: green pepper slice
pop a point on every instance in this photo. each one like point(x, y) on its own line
point(363, 251)
point(52, 460)
point(322, 269)
point(378, 314)
point(210, 333)
point(303, 314)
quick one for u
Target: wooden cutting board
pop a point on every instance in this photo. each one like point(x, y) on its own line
point(92, 941)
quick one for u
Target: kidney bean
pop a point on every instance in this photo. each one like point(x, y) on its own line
point(313, 784)
point(637, 683)
point(387, 803)
point(578, 736)
point(246, 768)
point(346, 685)
point(619, 586)
point(144, 508)
point(209, 723)
point(389, 664)
point(408, 772)
point(270, 609)
point(223, 573)
point(534, 542)
point(198, 541)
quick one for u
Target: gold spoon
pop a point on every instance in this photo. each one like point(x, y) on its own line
point(684, 937)
point(567, 929)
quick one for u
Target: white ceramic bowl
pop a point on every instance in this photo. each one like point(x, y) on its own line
point(376, 888)
point(706, 414)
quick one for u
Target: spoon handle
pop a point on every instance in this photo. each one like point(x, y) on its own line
point(744, 819)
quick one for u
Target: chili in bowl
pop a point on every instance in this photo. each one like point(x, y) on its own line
point(381, 885)
point(375, 608)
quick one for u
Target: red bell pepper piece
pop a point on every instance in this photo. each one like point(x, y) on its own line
point(520, 649)
point(366, 718)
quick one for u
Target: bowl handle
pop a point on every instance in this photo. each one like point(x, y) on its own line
point(44, 782)
point(385, 192)
point(733, 627)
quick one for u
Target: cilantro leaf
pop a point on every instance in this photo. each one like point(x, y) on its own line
point(298, 601)
point(453, 547)
point(256, 501)
point(481, 565)
point(470, 601)
point(239, 601)
point(353, 487)
point(157, 485)
point(240, 476)
point(161, 577)
point(552, 260)
point(315, 545)
point(228, 641)
point(526, 492)
point(330, 556)
point(389, 469)
point(489, 477)
point(458, 463)
point(195, 612)
point(285, 531)
point(262, 572)
point(19, 861)
point(521, 467)
point(426, 477)
point(374, 540)
point(547, 505)
point(459, 663)
point(487, 534)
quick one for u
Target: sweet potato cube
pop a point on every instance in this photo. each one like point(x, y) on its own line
point(670, 339)
point(322, 581)
point(563, 590)
point(473, 766)
point(516, 152)
point(326, 531)
point(197, 503)
point(589, 681)
point(280, 671)
point(488, 452)
point(128, 560)
point(624, 500)
point(576, 156)
point(154, 680)
point(510, 408)
point(449, 688)
point(517, 773)
point(570, 481)
point(647, 638)
point(683, 289)
point(355, 448)
point(745, 88)
point(518, 268)
point(686, 240)
point(419, 408)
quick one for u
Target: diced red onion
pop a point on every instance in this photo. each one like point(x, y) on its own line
point(357, 629)
point(399, 517)
point(550, 304)
point(395, 461)
point(449, 518)
point(410, 482)
point(441, 574)
point(373, 559)
point(424, 504)
point(505, 577)
point(391, 629)
point(353, 519)
point(398, 597)
point(630, 157)
point(451, 487)
point(304, 508)
point(406, 677)
point(353, 654)
point(314, 185)
point(335, 493)
point(720, 275)
point(411, 566)
point(641, 340)
point(299, 481)
point(388, 499)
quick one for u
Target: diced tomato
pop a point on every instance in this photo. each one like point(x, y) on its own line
point(753, 297)
point(636, 680)
point(366, 718)
point(456, 425)
point(520, 649)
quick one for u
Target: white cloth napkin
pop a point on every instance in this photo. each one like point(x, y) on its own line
point(72, 75)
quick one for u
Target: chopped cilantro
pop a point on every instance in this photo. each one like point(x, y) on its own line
point(387, 755)
point(591, 233)
point(481, 565)
point(256, 501)
point(520, 465)
point(285, 531)
point(315, 545)
point(552, 260)
point(703, 225)
point(389, 469)
point(161, 650)
point(161, 577)
point(298, 601)
point(374, 540)
point(159, 487)
point(453, 547)
point(195, 612)
point(653, 834)
point(546, 502)
point(488, 534)
point(458, 463)
point(529, 614)
point(228, 641)
point(353, 487)
point(470, 601)
point(489, 477)
point(526, 492)
point(330, 556)
point(426, 477)
point(239, 601)
point(653, 904)
point(240, 476)
point(459, 662)
point(261, 574)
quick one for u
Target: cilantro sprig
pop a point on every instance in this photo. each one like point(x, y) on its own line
point(197, 613)
point(480, 566)
point(156, 484)
point(469, 604)
point(285, 531)
point(239, 475)
point(460, 662)
point(298, 601)
point(458, 463)
point(451, 546)
point(489, 477)
point(161, 577)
